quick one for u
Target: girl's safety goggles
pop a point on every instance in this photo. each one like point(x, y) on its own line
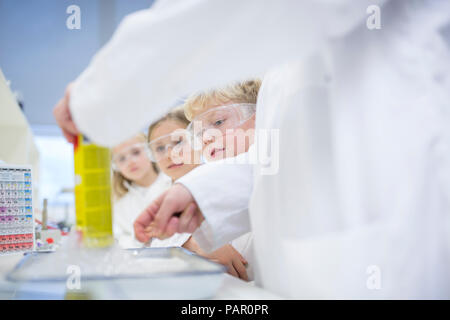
point(134, 151)
point(176, 141)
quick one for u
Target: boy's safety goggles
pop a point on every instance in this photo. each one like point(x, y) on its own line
point(221, 118)
point(134, 151)
point(176, 141)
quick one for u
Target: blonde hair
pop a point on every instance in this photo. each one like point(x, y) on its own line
point(118, 179)
point(176, 114)
point(239, 92)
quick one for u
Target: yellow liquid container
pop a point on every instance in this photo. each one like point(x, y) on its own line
point(93, 194)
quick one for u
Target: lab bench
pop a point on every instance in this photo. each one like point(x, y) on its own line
point(231, 287)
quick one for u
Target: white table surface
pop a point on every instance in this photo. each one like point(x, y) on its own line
point(7, 290)
point(232, 288)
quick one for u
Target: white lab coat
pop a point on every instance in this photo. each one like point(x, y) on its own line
point(17, 142)
point(360, 207)
point(131, 205)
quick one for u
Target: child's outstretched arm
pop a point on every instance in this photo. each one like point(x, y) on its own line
point(226, 255)
point(232, 259)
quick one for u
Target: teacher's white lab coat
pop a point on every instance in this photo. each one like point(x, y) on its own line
point(360, 204)
point(131, 205)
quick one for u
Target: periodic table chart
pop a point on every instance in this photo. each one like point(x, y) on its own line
point(16, 209)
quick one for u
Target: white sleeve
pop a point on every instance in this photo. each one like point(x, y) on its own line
point(225, 208)
point(158, 55)
point(177, 240)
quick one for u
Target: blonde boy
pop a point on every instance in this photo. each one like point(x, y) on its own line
point(224, 119)
point(227, 120)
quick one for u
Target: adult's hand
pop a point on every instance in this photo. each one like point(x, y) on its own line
point(63, 117)
point(174, 211)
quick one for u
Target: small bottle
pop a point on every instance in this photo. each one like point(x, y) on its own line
point(44, 215)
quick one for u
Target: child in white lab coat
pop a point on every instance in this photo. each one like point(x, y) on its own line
point(136, 183)
point(223, 113)
point(163, 140)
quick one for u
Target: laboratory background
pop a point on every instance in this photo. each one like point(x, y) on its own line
point(338, 189)
point(39, 55)
point(38, 48)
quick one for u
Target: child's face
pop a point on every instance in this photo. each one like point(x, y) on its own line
point(131, 159)
point(232, 141)
point(174, 168)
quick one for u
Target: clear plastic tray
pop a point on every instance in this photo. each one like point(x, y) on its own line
point(156, 273)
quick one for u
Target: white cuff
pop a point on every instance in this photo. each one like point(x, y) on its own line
point(222, 192)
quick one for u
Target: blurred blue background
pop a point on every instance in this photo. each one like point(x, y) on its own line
point(39, 55)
